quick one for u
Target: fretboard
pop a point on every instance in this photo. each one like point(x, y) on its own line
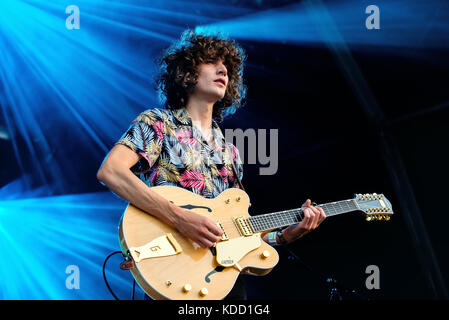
point(270, 221)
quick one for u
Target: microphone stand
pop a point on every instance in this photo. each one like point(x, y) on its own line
point(337, 289)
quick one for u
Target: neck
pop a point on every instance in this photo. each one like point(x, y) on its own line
point(285, 218)
point(200, 112)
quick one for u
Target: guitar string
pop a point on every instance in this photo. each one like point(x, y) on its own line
point(283, 218)
point(289, 217)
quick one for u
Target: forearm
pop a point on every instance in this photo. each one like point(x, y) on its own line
point(286, 235)
point(265, 238)
point(130, 188)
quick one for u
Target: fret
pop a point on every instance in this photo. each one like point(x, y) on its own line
point(284, 218)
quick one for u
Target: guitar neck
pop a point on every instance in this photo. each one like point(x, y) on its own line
point(270, 221)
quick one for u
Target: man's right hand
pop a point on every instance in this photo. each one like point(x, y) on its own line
point(198, 228)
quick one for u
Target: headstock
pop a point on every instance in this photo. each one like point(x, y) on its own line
point(374, 206)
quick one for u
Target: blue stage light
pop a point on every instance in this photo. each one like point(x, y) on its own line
point(403, 24)
point(42, 236)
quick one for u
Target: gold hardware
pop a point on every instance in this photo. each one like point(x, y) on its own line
point(224, 236)
point(162, 246)
point(265, 254)
point(237, 199)
point(203, 292)
point(249, 205)
point(368, 218)
point(243, 226)
point(187, 287)
point(227, 201)
point(168, 283)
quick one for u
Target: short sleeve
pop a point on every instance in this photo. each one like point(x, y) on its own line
point(145, 137)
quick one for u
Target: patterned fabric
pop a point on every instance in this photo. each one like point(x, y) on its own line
point(175, 153)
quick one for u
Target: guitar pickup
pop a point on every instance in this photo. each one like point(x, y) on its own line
point(244, 226)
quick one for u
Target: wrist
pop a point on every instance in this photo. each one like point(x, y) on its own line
point(174, 213)
point(280, 238)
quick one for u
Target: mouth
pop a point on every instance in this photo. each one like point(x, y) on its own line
point(222, 81)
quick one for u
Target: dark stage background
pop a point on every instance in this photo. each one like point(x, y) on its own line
point(357, 111)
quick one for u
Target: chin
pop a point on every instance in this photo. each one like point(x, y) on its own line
point(218, 95)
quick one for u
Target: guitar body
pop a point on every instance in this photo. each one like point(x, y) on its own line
point(192, 272)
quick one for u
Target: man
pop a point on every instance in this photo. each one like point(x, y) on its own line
point(182, 145)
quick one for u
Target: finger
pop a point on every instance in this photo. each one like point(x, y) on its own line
point(208, 236)
point(307, 203)
point(305, 220)
point(315, 209)
point(316, 220)
point(205, 243)
point(311, 217)
point(213, 228)
point(322, 215)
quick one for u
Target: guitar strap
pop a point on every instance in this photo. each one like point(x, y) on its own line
point(237, 176)
point(234, 170)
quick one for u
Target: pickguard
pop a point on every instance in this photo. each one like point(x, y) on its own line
point(230, 252)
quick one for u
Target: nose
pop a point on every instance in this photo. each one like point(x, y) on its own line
point(222, 69)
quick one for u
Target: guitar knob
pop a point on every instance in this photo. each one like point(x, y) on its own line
point(187, 287)
point(265, 254)
point(203, 292)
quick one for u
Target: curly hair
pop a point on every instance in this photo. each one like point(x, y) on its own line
point(179, 71)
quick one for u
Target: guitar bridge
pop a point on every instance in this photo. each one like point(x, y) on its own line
point(224, 236)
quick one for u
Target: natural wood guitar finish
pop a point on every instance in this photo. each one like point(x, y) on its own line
point(194, 272)
point(169, 266)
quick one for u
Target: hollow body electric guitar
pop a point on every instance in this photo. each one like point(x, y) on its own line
point(168, 265)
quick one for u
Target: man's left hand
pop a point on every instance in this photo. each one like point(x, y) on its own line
point(313, 217)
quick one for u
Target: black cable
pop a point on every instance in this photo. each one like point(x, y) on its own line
point(104, 275)
point(134, 287)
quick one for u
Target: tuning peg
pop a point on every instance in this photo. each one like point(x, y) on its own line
point(368, 218)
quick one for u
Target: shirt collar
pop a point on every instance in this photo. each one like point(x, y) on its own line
point(182, 115)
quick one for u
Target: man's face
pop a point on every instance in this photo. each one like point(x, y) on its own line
point(212, 81)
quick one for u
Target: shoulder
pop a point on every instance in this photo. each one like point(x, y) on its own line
point(151, 116)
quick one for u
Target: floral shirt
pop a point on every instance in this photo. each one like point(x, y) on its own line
point(174, 152)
